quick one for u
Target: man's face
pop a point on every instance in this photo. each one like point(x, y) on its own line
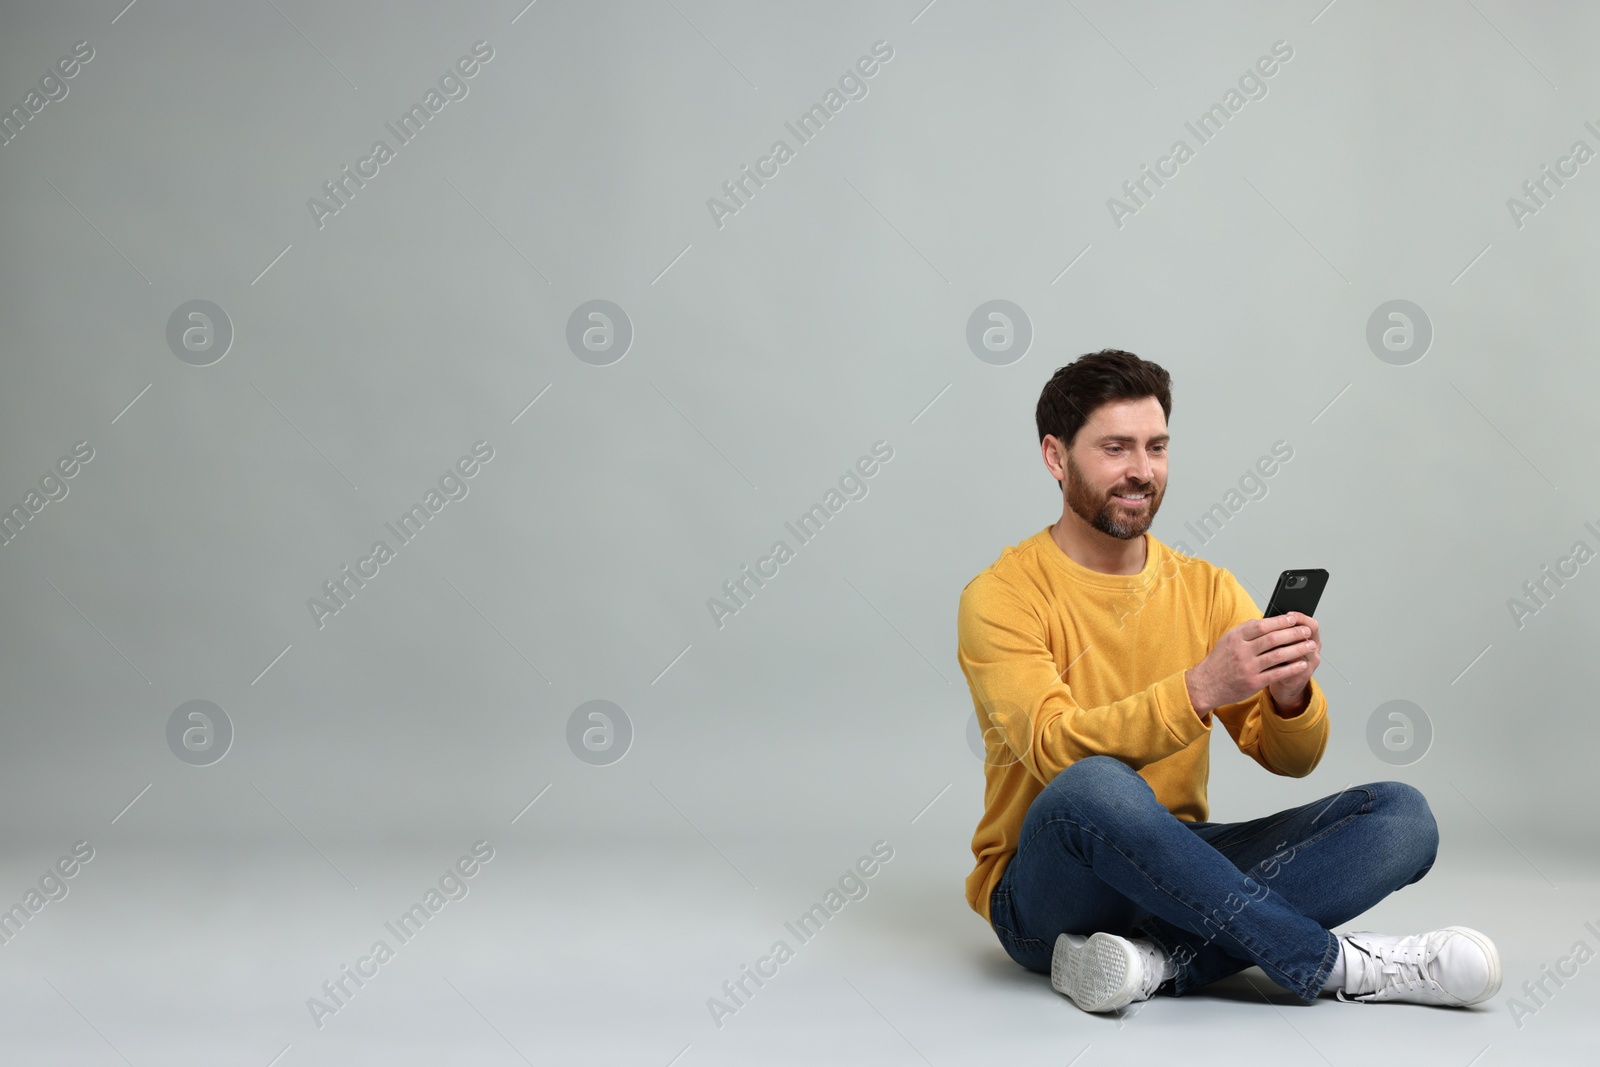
point(1120, 453)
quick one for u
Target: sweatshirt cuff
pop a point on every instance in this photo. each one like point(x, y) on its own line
point(1315, 710)
point(1178, 712)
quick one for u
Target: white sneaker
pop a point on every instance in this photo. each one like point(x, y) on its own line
point(1103, 972)
point(1455, 966)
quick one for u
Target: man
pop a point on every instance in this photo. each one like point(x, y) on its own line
point(1099, 660)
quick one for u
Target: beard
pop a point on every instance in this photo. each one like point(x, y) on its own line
point(1105, 514)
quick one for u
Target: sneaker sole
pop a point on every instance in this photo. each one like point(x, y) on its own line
point(1098, 973)
point(1490, 953)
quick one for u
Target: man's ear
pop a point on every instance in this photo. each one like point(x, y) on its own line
point(1056, 450)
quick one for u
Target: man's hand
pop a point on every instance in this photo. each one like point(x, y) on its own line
point(1277, 653)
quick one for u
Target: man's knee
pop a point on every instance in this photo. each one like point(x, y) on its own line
point(1101, 783)
point(1093, 771)
point(1412, 833)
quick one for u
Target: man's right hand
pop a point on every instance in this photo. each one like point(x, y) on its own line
point(1247, 659)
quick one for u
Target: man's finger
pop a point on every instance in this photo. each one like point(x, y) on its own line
point(1270, 623)
point(1277, 636)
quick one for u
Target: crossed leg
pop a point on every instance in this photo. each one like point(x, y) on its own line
point(1097, 851)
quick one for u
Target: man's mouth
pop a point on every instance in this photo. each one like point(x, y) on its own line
point(1132, 500)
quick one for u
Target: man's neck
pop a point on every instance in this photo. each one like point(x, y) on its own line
point(1098, 551)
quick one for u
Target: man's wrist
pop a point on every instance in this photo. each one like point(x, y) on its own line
point(1196, 700)
point(1288, 709)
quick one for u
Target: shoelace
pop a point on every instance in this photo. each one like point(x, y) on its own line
point(1395, 967)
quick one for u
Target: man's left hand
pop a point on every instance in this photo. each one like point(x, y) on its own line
point(1292, 696)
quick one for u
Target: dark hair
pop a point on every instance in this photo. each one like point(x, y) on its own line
point(1074, 391)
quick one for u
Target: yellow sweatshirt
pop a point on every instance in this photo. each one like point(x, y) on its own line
point(1066, 662)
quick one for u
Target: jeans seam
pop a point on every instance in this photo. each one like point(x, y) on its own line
point(1001, 898)
point(1328, 958)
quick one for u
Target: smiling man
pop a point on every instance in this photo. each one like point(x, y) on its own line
point(1099, 660)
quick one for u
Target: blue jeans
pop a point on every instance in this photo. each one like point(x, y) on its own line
point(1097, 851)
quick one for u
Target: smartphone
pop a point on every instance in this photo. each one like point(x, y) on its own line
point(1297, 591)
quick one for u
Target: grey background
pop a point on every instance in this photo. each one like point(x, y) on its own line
point(768, 355)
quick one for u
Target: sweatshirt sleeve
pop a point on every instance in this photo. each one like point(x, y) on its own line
point(1014, 679)
point(1291, 747)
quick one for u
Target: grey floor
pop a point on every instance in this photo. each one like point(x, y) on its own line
point(608, 953)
